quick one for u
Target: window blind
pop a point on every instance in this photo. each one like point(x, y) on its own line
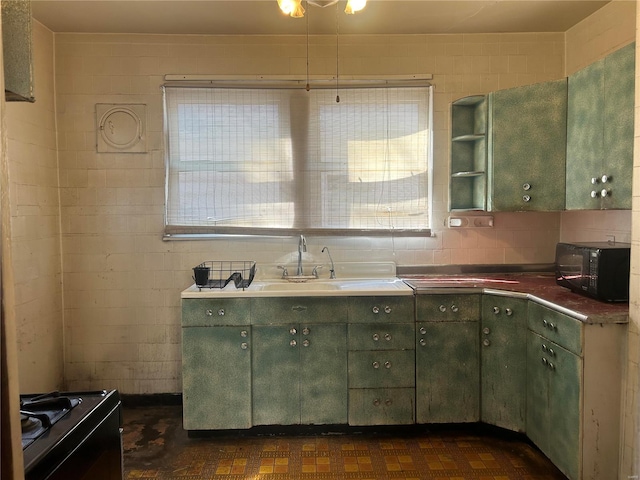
point(256, 160)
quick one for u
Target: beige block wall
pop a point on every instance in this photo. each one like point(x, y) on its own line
point(123, 283)
point(608, 29)
point(35, 226)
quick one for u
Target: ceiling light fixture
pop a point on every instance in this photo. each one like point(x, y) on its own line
point(294, 8)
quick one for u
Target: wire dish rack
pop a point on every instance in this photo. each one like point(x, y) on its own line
point(218, 274)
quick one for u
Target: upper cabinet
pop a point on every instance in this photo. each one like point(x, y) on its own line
point(17, 50)
point(600, 133)
point(468, 187)
point(527, 145)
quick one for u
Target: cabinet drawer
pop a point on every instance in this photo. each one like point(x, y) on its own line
point(285, 310)
point(381, 406)
point(556, 326)
point(381, 309)
point(382, 368)
point(447, 308)
point(206, 312)
point(381, 336)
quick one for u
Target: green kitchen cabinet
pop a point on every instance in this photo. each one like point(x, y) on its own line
point(447, 358)
point(299, 367)
point(600, 133)
point(381, 365)
point(216, 377)
point(573, 391)
point(553, 402)
point(527, 147)
point(467, 183)
point(503, 361)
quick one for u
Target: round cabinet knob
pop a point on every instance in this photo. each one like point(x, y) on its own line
point(244, 345)
point(545, 324)
point(387, 309)
point(208, 313)
point(388, 402)
point(594, 194)
point(551, 366)
point(526, 198)
point(293, 343)
point(486, 342)
point(293, 331)
point(376, 365)
point(221, 312)
point(305, 343)
point(544, 348)
point(244, 333)
point(605, 178)
point(423, 342)
point(496, 310)
point(376, 402)
point(387, 364)
point(454, 309)
point(552, 352)
point(423, 331)
point(545, 361)
point(486, 330)
point(552, 326)
point(442, 308)
point(526, 186)
point(595, 181)
point(508, 311)
point(605, 193)
point(387, 337)
point(306, 331)
point(376, 337)
point(375, 309)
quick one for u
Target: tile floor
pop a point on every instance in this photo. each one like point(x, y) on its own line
point(156, 447)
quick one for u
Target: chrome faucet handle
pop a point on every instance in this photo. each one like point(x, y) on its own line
point(314, 272)
point(285, 273)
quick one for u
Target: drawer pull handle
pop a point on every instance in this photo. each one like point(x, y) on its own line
point(244, 333)
point(423, 330)
point(442, 308)
point(544, 347)
point(552, 366)
point(376, 337)
point(388, 402)
point(244, 345)
point(305, 343)
point(387, 364)
point(306, 331)
point(454, 309)
point(496, 310)
point(551, 352)
point(486, 330)
point(387, 309)
point(387, 337)
point(293, 343)
point(376, 365)
point(293, 331)
point(545, 361)
point(423, 342)
point(486, 342)
point(508, 311)
point(209, 313)
point(221, 312)
point(375, 310)
point(376, 402)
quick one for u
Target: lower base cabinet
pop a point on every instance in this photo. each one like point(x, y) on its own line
point(381, 406)
point(299, 374)
point(216, 372)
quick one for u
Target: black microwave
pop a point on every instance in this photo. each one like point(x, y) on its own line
point(598, 270)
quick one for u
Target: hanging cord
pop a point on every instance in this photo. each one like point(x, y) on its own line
point(308, 87)
point(337, 56)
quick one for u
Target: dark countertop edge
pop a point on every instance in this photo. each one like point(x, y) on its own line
point(473, 269)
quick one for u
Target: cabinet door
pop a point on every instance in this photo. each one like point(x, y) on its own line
point(503, 362)
point(216, 377)
point(382, 368)
point(565, 410)
point(528, 147)
point(537, 393)
point(619, 101)
point(447, 372)
point(323, 374)
point(585, 131)
point(276, 373)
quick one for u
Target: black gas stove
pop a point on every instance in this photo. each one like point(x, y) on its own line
point(72, 435)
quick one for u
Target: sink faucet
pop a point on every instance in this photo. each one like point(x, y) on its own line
point(302, 247)
point(333, 270)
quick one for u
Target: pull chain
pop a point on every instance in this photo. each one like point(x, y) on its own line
point(307, 86)
point(337, 56)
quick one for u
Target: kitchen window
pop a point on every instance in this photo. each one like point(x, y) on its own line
point(279, 160)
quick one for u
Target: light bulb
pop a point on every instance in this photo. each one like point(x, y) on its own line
point(355, 6)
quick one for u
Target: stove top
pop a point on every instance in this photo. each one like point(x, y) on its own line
point(38, 413)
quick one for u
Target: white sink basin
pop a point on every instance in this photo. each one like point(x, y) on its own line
point(293, 286)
